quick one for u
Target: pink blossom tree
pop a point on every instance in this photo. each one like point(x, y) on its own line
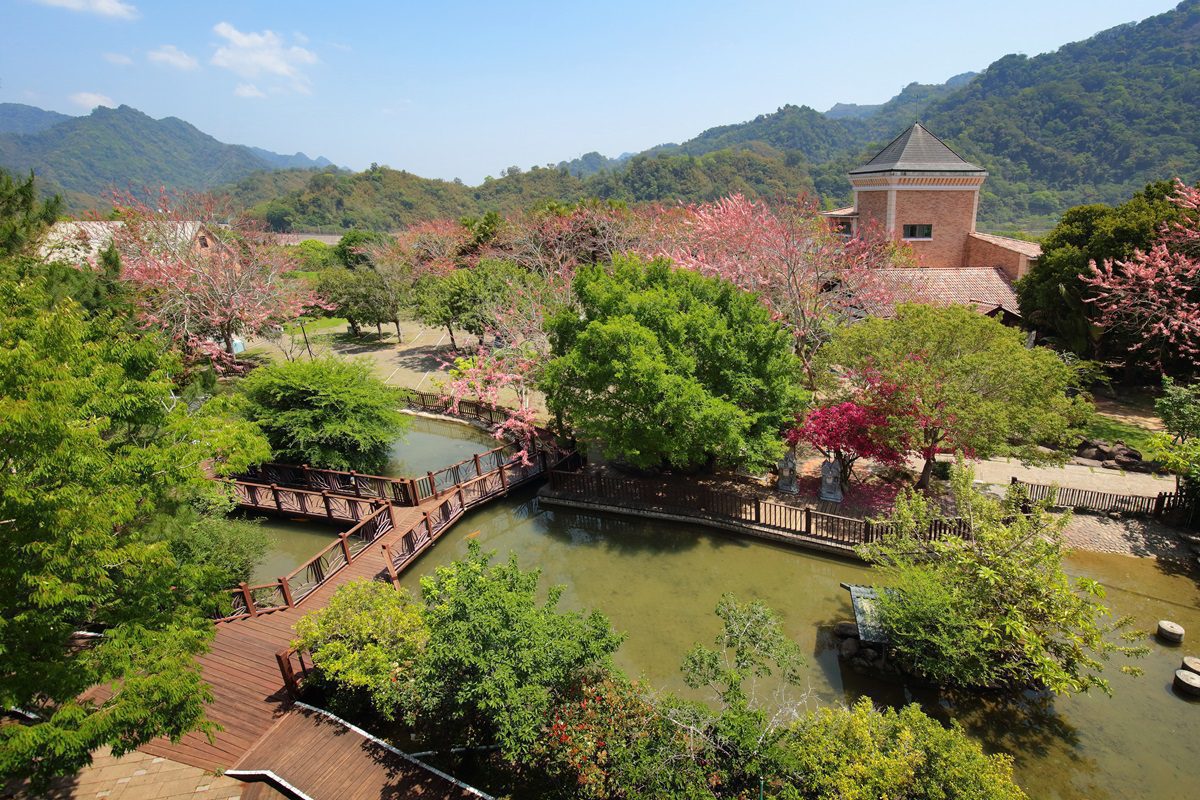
point(1153, 298)
point(204, 275)
point(812, 277)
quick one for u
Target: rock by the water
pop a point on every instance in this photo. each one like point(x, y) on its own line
point(869, 653)
point(1170, 631)
point(845, 629)
point(848, 648)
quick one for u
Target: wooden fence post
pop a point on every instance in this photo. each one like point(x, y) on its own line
point(391, 567)
point(1159, 504)
point(289, 676)
point(758, 510)
point(807, 521)
point(249, 598)
point(287, 592)
point(345, 548)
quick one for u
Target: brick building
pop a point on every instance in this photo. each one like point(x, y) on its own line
point(920, 191)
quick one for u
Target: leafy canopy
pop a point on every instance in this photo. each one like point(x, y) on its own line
point(969, 383)
point(994, 609)
point(95, 443)
point(665, 368)
point(326, 412)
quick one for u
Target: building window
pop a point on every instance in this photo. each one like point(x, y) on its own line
point(918, 231)
point(844, 227)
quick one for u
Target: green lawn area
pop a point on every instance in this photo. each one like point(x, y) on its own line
point(1111, 430)
point(316, 325)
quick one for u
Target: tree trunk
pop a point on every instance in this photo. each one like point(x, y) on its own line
point(926, 473)
point(399, 336)
point(379, 328)
point(453, 343)
point(354, 331)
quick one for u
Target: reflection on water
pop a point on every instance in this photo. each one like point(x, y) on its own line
point(431, 444)
point(659, 582)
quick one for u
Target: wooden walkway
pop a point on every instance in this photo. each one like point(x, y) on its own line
point(248, 691)
point(320, 756)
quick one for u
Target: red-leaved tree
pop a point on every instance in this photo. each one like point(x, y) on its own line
point(204, 275)
point(813, 278)
point(1153, 298)
point(872, 426)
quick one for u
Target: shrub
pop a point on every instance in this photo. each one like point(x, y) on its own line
point(326, 412)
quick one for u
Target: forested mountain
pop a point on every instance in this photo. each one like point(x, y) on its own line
point(20, 118)
point(385, 199)
point(126, 149)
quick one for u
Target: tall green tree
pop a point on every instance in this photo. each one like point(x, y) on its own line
point(1053, 297)
point(965, 382)
point(95, 442)
point(665, 368)
point(23, 218)
point(326, 412)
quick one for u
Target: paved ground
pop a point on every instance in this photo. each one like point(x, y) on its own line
point(138, 776)
point(1130, 536)
point(1075, 476)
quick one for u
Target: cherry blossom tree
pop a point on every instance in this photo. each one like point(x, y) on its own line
point(1153, 298)
point(204, 275)
point(813, 278)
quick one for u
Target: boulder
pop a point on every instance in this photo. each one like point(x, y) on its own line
point(1120, 450)
point(1088, 454)
point(1110, 464)
point(848, 648)
point(1087, 462)
point(868, 653)
point(846, 629)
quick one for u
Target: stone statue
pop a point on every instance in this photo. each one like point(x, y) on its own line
point(831, 482)
point(787, 474)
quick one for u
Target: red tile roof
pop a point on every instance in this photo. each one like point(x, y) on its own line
point(1030, 249)
point(986, 288)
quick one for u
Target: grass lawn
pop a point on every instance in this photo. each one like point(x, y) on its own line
point(1111, 430)
point(316, 325)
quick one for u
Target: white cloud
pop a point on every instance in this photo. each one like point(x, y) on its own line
point(90, 100)
point(120, 59)
point(172, 56)
point(248, 90)
point(254, 55)
point(105, 8)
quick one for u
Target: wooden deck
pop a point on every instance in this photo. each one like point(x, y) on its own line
point(321, 756)
point(248, 691)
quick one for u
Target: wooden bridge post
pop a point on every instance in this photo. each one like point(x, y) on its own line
point(478, 471)
point(354, 482)
point(391, 567)
point(428, 525)
point(250, 609)
point(503, 480)
point(346, 548)
point(287, 592)
point(328, 507)
point(275, 495)
point(283, 658)
point(433, 492)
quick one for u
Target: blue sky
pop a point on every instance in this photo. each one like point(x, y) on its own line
point(456, 89)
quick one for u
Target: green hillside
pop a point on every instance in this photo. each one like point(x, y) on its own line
point(126, 149)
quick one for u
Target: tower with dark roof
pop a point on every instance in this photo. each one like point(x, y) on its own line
point(919, 190)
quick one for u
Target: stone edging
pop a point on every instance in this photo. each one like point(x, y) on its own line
point(550, 498)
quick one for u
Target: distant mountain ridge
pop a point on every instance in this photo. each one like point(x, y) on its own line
point(126, 149)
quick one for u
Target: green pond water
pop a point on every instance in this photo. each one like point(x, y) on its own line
point(659, 583)
point(431, 444)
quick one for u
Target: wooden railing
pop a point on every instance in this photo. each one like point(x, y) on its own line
point(322, 504)
point(1103, 502)
point(403, 551)
point(288, 591)
point(468, 409)
point(696, 502)
point(395, 490)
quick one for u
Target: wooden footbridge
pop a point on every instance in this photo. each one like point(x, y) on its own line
point(250, 666)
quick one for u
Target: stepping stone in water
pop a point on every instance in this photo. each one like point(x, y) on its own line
point(1170, 631)
point(1187, 682)
point(1191, 664)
